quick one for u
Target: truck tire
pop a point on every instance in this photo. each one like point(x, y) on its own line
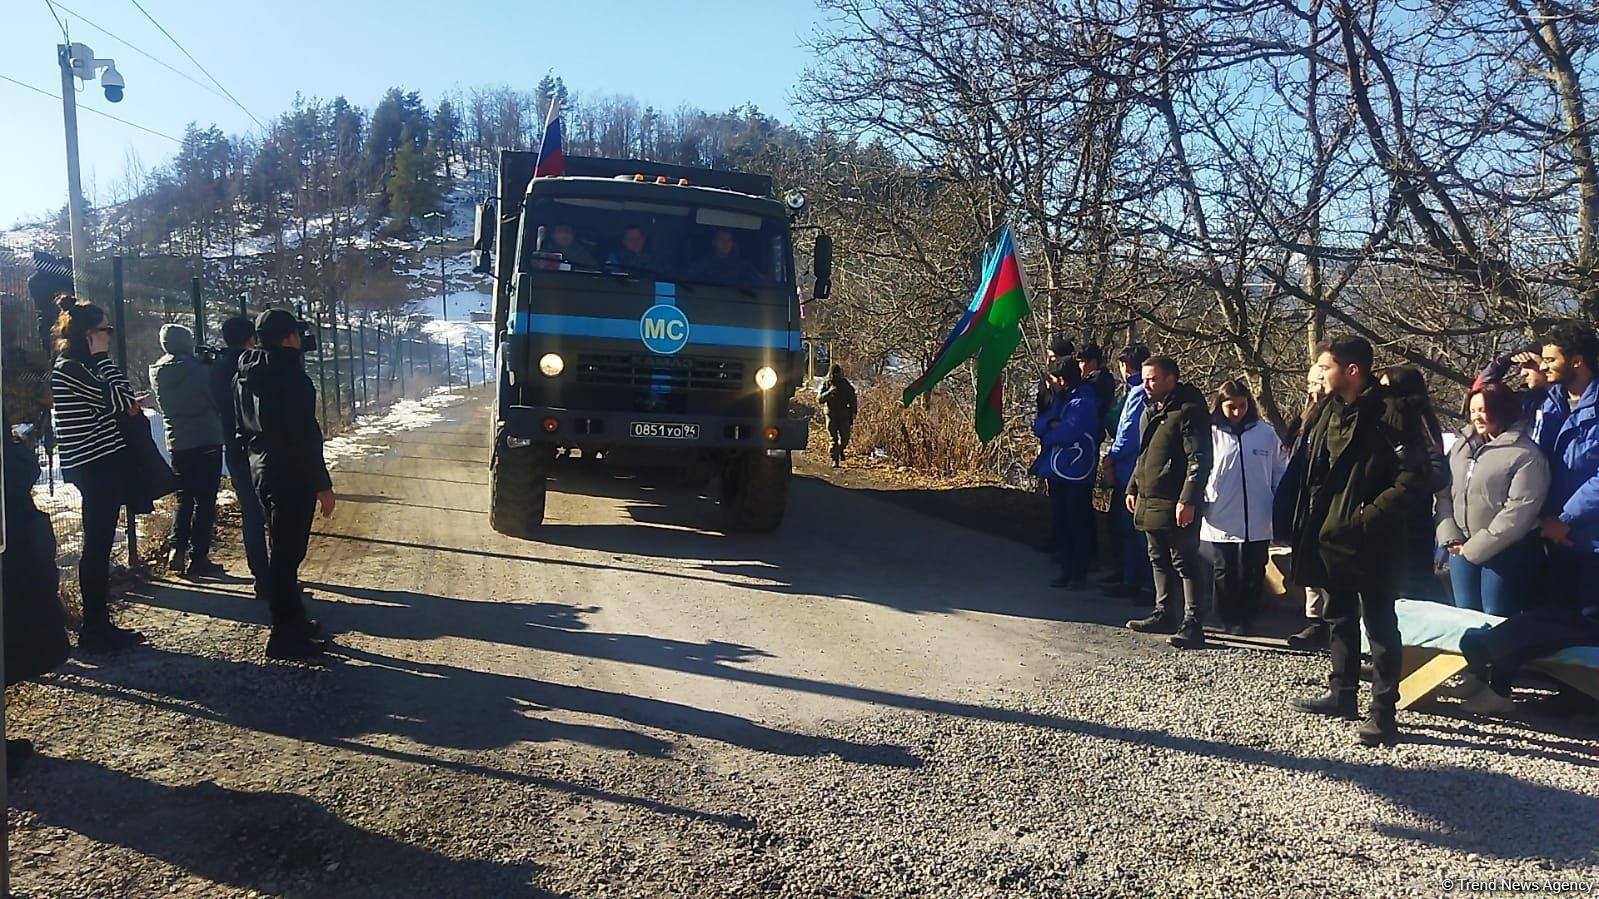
point(755, 492)
point(518, 484)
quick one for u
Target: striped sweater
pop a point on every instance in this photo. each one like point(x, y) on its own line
point(87, 397)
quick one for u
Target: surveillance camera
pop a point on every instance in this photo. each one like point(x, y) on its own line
point(112, 81)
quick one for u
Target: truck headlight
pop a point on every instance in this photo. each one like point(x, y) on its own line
point(551, 364)
point(766, 378)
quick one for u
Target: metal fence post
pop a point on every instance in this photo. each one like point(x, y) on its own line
point(199, 311)
point(244, 305)
point(399, 360)
point(338, 380)
point(378, 362)
point(365, 399)
point(449, 373)
point(322, 367)
point(349, 340)
point(119, 302)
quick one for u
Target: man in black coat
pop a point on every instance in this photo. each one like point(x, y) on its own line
point(275, 412)
point(238, 333)
point(1365, 466)
point(1164, 494)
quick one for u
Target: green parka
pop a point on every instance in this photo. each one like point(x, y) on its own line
point(1366, 468)
point(1173, 459)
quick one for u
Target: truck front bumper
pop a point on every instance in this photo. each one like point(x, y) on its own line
point(600, 430)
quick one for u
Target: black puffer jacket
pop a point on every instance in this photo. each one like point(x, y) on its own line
point(275, 412)
point(1173, 459)
point(1366, 470)
point(35, 623)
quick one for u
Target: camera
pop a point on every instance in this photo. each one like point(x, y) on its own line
point(308, 341)
point(112, 81)
point(207, 354)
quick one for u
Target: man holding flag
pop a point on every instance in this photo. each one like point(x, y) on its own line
point(989, 330)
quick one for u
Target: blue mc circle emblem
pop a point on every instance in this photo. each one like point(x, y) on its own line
point(664, 330)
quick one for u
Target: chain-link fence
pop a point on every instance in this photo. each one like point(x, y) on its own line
point(364, 362)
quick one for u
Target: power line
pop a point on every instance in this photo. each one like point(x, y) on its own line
point(197, 65)
point(145, 53)
point(60, 23)
point(91, 109)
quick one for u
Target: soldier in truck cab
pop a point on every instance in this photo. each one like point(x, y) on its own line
point(563, 240)
point(725, 264)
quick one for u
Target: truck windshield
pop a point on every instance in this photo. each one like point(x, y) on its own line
point(666, 242)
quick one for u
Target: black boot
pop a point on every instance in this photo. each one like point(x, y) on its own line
point(1381, 728)
point(1333, 704)
point(202, 567)
point(175, 561)
point(104, 636)
point(1471, 646)
point(1311, 638)
point(1156, 623)
point(1189, 636)
point(292, 644)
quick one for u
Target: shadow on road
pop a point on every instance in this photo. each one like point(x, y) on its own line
point(272, 843)
point(449, 706)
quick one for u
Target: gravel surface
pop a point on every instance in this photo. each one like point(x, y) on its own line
point(493, 727)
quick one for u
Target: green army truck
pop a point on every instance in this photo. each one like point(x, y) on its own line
point(645, 315)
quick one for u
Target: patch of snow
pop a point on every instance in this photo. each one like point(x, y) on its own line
point(405, 415)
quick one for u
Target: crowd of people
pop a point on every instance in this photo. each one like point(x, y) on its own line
point(249, 409)
point(1370, 495)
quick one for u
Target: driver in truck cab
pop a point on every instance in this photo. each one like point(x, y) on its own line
point(563, 240)
point(634, 254)
point(725, 264)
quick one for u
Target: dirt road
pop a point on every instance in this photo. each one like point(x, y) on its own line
point(868, 703)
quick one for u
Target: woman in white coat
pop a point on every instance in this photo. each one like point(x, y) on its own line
point(1247, 462)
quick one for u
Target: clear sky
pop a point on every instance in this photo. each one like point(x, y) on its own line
point(715, 54)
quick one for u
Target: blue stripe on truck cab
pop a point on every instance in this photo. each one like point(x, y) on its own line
point(628, 329)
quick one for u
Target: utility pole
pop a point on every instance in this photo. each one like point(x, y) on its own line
point(78, 61)
point(444, 300)
point(69, 114)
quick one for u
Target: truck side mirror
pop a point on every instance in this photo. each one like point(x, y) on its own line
point(822, 267)
point(483, 239)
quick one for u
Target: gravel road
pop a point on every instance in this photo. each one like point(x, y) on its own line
point(871, 703)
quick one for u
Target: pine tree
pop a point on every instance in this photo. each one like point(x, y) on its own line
point(413, 186)
point(446, 133)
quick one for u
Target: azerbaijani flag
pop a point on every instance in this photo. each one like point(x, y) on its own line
point(989, 329)
point(551, 160)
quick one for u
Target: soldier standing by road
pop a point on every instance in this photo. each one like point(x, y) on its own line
point(1365, 468)
point(275, 407)
point(838, 398)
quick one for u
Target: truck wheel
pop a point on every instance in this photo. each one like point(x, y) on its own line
point(755, 492)
point(518, 481)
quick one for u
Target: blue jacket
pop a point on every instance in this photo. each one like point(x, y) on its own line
point(1071, 420)
point(1570, 438)
point(1123, 450)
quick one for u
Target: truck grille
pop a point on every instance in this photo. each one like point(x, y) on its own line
point(659, 373)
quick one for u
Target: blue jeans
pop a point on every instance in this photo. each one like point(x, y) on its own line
point(1136, 570)
point(1502, 585)
point(1071, 514)
point(255, 541)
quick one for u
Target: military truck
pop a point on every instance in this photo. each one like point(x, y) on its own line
point(645, 315)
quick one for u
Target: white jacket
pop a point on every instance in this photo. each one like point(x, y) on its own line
point(1244, 472)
